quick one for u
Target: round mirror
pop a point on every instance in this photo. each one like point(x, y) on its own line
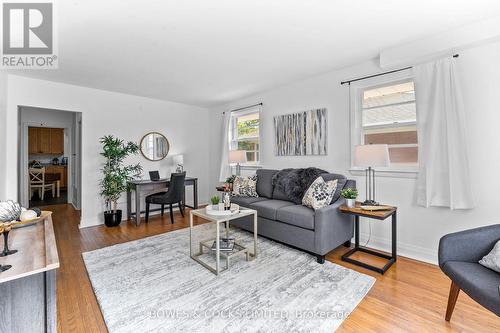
point(154, 146)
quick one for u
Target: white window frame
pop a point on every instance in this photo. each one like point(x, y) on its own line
point(233, 132)
point(356, 122)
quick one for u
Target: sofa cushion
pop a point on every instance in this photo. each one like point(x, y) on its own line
point(477, 281)
point(269, 208)
point(297, 215)
point(246, 201)
point(341, 182)
point(265, 182)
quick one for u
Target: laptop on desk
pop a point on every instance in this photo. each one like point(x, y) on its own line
point(154, 175)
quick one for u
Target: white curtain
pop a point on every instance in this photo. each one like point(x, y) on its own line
point(444, 178)
point(225, 168)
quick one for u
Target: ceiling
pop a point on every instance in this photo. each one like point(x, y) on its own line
point(211, 52)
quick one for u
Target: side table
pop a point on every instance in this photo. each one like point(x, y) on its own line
point(377, 215)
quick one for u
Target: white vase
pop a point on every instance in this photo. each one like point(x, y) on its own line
point(350, 203)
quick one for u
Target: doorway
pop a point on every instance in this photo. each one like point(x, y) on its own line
point(49, 165)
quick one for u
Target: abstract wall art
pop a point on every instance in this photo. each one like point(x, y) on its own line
point(302, 133)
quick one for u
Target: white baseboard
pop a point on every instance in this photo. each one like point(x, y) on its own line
point(94, 223)
point(404, 250)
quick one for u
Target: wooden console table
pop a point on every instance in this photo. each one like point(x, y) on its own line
point(28, 288)
point(377, 215)
point(148, 187)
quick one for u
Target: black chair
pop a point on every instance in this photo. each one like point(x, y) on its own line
point(174, 195)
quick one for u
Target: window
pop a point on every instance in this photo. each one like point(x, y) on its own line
point(245, 133)
point(388, 116)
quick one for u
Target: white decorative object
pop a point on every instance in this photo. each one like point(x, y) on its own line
point(179, 163)
point(9, 211)
point(28, 215)
point(235, 209)
point(351, 203)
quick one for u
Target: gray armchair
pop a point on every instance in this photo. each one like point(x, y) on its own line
point(459, 254)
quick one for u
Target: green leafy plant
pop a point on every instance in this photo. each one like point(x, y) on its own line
point(349, 193)
point(215, 200)
point(230, 180)
point(115, 173)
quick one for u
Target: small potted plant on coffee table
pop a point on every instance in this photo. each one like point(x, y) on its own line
point(215, 202)
point(350, 195)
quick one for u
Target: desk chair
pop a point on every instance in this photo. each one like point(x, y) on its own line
point(174, 195)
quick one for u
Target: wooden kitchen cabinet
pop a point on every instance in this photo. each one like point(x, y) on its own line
point(44, 140)
point(33, 139)
point(57, 141)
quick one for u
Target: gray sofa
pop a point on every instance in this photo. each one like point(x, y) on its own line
point(459, 254)
point(317, 232)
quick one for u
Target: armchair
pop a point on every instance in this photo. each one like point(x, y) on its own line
point(459, 254)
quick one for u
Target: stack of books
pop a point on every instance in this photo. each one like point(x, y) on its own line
point(225, 244)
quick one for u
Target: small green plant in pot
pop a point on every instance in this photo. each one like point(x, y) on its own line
point(116, 175)
point(350, 195)
point(215, 201)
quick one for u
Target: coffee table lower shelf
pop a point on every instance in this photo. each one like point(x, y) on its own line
point(237, 250)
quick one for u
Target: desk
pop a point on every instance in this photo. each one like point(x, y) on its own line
point(148, 187)
point(377, 215)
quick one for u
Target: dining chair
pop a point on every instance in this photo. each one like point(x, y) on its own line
point(174, 195)
point(37, 182)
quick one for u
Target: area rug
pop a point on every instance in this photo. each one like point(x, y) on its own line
point(152, 285)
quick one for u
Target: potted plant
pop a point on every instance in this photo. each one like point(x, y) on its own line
point(116, 175)
point(215, 202)
point(350, 195)
point(228, 185)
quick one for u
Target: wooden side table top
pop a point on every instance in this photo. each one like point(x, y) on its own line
point(375, 214)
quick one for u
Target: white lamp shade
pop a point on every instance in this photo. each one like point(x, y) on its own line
point(179, 159)
point(237, 156)
point(371, 156)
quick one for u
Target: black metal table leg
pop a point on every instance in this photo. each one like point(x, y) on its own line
point(391, 258)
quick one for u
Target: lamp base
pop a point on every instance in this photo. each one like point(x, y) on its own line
point(369, 203)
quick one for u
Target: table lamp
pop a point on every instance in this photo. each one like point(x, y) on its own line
point(369, 156)
point(179, 163)
point(237, 156)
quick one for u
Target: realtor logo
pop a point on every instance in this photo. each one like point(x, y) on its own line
point(28, 35)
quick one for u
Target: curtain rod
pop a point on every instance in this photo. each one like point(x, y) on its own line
point(380, 74)
point(243, 108)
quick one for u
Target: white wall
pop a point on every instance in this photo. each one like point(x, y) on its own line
point(103, 112)
point(3, 134)
point(419, 229)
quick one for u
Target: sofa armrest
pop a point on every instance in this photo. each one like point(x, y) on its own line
point(469, 245)
point(331, 227)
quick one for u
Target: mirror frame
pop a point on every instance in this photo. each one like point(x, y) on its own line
point(158, 133)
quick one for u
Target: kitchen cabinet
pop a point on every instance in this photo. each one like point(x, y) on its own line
point(33, 138)
point(61, 170)
point(44, 140)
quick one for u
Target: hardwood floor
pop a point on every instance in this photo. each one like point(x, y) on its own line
point(410, 297)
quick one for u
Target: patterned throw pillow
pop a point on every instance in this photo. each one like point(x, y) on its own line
point(320, 193)
point(492, 259)
point(245, 186)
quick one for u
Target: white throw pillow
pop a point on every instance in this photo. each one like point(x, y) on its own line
point(492, 259)
point(245, 186)
point(320, 193)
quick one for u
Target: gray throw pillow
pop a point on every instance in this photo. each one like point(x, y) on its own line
point(492, 259)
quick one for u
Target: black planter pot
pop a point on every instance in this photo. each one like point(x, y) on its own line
point(112, 218)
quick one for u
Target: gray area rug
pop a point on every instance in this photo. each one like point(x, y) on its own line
point(152, 285)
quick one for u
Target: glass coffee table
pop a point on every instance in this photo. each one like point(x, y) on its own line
point(238, 248)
